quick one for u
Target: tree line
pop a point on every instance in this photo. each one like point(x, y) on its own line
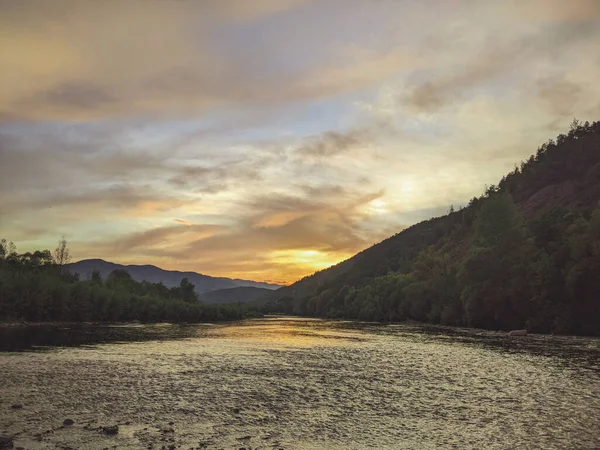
point(36, 287)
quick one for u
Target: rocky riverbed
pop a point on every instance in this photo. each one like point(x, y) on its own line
point(296, 384)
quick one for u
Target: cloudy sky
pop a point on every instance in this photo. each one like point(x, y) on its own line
point(267, 139)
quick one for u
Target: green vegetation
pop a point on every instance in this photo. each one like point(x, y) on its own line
point(526, 254)
point(35, 287)
point(243, 294)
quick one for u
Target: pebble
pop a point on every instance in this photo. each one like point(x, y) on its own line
point(68, 422)
point(6, 441)
point(17, 406)
point(112, 429)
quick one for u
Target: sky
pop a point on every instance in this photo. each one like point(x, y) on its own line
point(269, 139)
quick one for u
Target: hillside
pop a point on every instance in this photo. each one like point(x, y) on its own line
point(243, 294)
point(170, 278)
point(553, 193)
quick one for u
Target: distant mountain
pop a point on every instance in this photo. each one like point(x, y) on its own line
point(242, 294)
point(170, 278)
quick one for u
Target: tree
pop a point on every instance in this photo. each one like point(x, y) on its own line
point(493, 275)
point(7, 249)
point(96, 277)
point(187, 292)
point(582, 280)
point(499, 223)
point(37, 258)
point(62, 255)
point(32, 289)
point(119, 277)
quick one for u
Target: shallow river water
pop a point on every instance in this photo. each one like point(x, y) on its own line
point(295, 383)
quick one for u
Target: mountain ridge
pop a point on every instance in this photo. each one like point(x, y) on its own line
point(170, 278)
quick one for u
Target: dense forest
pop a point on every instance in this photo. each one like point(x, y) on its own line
point(526, 254)
point(233, 295)
point(37, 287)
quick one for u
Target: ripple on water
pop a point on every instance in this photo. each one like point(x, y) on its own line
point(304, 384)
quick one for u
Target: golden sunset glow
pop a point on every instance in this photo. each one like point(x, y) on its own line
point(266, 139)
point(313, 259)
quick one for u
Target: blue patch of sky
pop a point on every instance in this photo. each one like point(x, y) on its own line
point(304, 119)
point(298, 120)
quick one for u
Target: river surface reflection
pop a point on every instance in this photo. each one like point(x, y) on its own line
point(297, 383)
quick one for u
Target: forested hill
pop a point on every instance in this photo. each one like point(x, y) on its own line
point(524, 254)
point(170, 278)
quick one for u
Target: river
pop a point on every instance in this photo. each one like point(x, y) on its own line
point(295, 383)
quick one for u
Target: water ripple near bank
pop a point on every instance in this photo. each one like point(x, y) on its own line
point(302, 384)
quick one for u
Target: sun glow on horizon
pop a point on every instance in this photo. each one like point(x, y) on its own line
point(307, 258)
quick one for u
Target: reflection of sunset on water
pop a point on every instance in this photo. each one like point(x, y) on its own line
point(284, 332)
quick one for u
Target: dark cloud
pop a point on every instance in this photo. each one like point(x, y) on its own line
point(275, 202)
point(203, 179)
point(77, 95)
point(210, 180)
point(163, 61)
point(332, 143)
point(50, 172)
point(95, 172)
point(324, 191)
point(65, 160)
point(559, 95)
point(147, 239)
point(85, 203)
point(429, 96)
point(441, 90)
point(503, 57)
